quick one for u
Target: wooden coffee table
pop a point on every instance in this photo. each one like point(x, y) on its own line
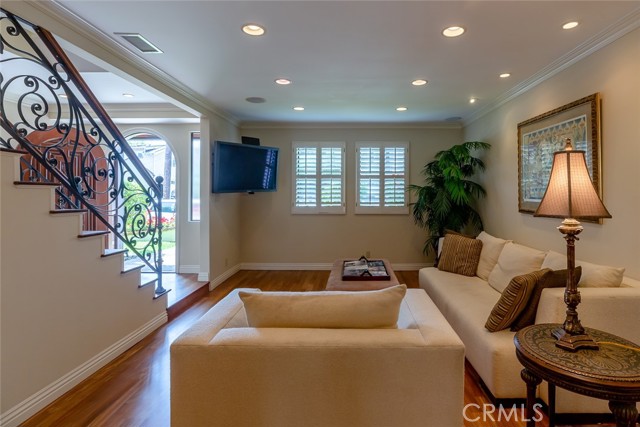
point(335, 282)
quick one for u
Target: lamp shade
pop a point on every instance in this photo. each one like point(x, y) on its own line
point(570, 193)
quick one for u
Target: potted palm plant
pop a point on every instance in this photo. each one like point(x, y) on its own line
point(446, 201)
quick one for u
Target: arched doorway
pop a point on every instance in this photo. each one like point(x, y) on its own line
point(158, 157)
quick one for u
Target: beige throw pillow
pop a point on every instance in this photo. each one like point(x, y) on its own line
point(513, 301)
point(460, 254)
point(362, 309)
point(513, 261)
point(593, 275)
point(491, 249)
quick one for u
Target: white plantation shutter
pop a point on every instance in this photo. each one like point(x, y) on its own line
point(318, 177)
point(382, 169)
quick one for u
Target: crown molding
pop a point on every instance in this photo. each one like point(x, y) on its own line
point(76, 30)
point(350, 125)
point(615, 31)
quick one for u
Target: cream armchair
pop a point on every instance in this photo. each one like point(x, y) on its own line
point(224, 373)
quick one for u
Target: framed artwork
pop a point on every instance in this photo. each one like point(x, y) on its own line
point(543, 135)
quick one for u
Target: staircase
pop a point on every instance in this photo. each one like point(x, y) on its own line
point(68, 141)
point(68, 307)
point(74, 198)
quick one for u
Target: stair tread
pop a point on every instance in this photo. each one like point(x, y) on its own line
point(13, 150)
point(158, 295)
point(64, 211)
point(132, 268)
point(91, 233)
point(147, 279)
point(36, 184)
point(110, 252)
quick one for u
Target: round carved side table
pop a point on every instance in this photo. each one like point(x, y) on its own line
point(611, 373)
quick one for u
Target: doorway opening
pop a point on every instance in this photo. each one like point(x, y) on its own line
point(157, 156)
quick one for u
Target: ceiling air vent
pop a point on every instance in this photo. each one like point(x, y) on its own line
point(142, 44)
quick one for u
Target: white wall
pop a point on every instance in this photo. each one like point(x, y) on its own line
point(270, 234)
point(614, 71)
point(223, 227)
point(65, 311)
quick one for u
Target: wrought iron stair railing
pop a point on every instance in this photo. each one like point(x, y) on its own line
point(47, 110)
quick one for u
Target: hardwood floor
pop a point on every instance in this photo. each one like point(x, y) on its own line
point(133, 390)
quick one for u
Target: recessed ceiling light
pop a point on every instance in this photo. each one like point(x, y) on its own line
point(419, 82)
point(253, 29)
point(298, 108)
point(255, 99)
point(453, 31)
point(401, 109)
point(570, 25)
point(128, 95)
point(283, 81)
point(472, 100)
point(505, 75)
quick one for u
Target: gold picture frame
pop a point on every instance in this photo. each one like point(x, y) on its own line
point(541, 136)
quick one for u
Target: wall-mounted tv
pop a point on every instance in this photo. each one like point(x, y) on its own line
point(241, 168)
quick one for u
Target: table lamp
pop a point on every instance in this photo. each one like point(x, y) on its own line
point(571, 195)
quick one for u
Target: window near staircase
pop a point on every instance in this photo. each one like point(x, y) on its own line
point(194, 182)
point(382, 169)
point(318, 176)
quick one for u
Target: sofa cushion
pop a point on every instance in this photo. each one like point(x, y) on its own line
point(514, 300)
point(514, 260)
point(554, 279)
point(491, 249)
point(460, 254)
point(363, 309)
point(593, 275)
point(466, 303)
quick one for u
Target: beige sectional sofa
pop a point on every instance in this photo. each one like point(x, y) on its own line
point(226, 373)
point(466, 302)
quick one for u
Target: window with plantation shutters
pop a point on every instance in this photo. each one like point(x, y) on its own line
point(318, 177)
point(382, 169)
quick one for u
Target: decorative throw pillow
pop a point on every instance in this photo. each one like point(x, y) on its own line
point(491, 249)
point(593, 275)
point(326, 309)
point(513, 300)
point(440, 242)
point(554, 279)
point(513, 261)
point(460, 255)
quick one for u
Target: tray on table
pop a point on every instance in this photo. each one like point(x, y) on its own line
point(365, 269)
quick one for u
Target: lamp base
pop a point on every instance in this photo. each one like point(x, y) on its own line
point(569, 342)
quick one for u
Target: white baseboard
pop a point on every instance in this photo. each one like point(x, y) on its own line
point(30, 406)
point(319, 266)
point(189, 269)
point(224, 276)
point(410, 266)
point(285, 266)
point(203, 277)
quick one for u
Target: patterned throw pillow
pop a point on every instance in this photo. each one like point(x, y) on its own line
point(555, 279)
point(460, 255)
point(513, 301)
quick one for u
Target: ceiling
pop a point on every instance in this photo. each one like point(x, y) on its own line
point(351, 61)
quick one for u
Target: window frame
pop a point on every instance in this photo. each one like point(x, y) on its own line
point(381, 210)
point(317, 209)
point(192, 189)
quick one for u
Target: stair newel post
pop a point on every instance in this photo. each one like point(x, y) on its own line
point(159, 288)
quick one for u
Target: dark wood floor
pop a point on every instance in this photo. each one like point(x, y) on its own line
point(133, 390)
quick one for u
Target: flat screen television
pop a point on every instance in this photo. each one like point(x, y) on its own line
point(241, 168)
